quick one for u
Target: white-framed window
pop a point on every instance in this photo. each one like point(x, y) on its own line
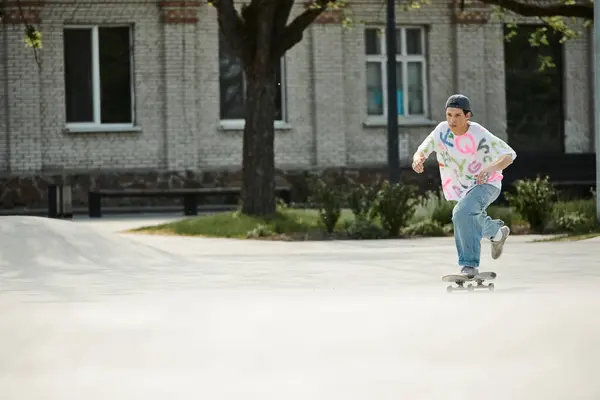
point(99, 88)
point(411, 72)
point(232, 87)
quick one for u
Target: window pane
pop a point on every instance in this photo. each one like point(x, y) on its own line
point(413, 41)
point(372, 41)
point(374, 89)
point(399, 88)
point(415, 88)
point(78, 75)
point(231, 82)
point(115, 75)
point(399, 41)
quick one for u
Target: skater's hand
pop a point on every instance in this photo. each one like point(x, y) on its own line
point(418, 161)
point(483, 177)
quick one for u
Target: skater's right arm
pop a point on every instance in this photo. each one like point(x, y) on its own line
point(423, 151)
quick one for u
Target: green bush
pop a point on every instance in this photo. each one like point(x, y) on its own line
point(533, 200)
point(426, 227)
point(436, 207)
point(443, 212)
point(361, 199)
point(577, 216)
point(449, 229)
point(395, 206)
point(362, 228)
point(261, 230)
point(503, 213)
point(327, 200)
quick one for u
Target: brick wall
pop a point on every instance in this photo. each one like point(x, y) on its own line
point(116, 150)
point(177, 92)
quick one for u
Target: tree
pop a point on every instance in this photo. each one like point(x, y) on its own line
point(260, 35)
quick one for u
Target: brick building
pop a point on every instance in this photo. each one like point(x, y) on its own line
point(141, 93)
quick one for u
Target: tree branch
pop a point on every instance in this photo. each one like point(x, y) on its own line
point(292, 34)
point(552, 10)
point(231, 25)
point(281, 16)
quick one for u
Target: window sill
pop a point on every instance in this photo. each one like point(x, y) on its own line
point(382, 122)
point(102, 129)
point(238, 125)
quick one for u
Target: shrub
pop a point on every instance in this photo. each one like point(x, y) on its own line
point(503, 213)
point(281, 205)
point(395, 206)
point(449, 229)
point(426, 227)
point(261, 230)
point(361, 199)
point(578, 216)
point(443, 212)
point(362, 228)
point(328, 202)
point(436, 207)
point(533, 200)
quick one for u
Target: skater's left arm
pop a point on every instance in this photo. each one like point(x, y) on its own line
point(502, 156)
point(501, 163)
point(501, 153)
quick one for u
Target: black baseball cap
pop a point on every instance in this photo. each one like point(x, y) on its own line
point(459, 101)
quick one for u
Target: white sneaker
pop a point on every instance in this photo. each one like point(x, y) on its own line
point(497, 246)
point(469, 271)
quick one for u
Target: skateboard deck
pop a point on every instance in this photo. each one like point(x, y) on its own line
point(478, 279)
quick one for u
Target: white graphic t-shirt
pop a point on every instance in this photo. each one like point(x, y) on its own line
point(462, 157)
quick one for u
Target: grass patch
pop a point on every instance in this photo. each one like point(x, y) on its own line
point(305, 224)
point(286, 223)
point(570, 237)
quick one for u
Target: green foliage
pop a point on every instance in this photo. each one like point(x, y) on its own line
point(434, 206)
point(365, 229)
point(449, 229)
point(551, 25)
point(281, 206)
point(261, 230)
point(533, 200)
point(578, 216)
point(328, 202)
point(427, 227)
point(442, 213)
point(395, 206)
point(33, 37)
point(503, 213)
point(361, 199)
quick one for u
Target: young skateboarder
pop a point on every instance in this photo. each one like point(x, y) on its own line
point(471, 160)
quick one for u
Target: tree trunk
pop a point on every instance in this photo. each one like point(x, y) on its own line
point(258, 188)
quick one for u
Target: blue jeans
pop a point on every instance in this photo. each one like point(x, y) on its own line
point(471, 223)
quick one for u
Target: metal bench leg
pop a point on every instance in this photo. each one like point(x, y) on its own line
point(190, 204)
point(94, 205)
point(52, 203)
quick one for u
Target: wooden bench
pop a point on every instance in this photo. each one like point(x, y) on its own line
point(190, 196)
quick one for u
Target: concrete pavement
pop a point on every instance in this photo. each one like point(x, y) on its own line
point(90, 313)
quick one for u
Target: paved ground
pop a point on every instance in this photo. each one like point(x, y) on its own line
point(90, 313)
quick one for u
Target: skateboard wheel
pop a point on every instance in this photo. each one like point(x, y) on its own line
point(471, 288)
point(491, 287)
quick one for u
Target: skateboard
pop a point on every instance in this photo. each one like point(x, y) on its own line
point(461, 279)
